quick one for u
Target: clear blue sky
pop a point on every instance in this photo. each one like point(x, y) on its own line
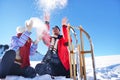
point(100, 18)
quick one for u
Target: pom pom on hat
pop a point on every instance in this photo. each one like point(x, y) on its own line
point(20, 29)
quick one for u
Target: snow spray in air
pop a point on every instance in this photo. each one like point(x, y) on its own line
point(50, 5)
point(39, 25)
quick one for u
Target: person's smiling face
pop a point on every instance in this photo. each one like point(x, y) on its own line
point(56, 31)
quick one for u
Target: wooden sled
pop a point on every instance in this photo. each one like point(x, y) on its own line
point(77, 54)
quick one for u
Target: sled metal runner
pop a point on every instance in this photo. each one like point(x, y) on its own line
point(77, 54)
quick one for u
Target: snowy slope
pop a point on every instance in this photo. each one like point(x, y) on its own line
point(107, 68)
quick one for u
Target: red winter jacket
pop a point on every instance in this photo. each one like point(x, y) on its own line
point(63, 52)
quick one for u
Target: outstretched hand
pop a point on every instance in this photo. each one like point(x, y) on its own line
point(47, 17)
point(37, 40)
point(29, 25)
point(64, 21)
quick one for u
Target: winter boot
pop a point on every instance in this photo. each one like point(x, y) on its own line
point(43, 68)
point(29, 72)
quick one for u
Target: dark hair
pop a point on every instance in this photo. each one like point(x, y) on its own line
point(56, 27)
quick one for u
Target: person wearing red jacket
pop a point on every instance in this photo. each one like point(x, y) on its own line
point(56, 60)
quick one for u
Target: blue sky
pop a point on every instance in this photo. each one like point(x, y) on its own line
point(100, 18)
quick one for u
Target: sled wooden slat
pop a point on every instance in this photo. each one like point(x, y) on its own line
point(82, 52)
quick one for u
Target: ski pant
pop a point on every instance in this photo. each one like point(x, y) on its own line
point(27, 72)
point(51, 65)
point(8, 67)
point(59, 70)
point(51, 69)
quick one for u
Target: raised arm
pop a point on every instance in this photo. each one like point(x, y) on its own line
point(21, 38)
point(47, 20)
point(46, 35)
point(65, 30)
point(33, 47)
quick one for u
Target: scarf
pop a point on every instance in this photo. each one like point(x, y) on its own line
point(54, 42)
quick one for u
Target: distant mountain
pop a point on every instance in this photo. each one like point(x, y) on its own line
point(36, 57)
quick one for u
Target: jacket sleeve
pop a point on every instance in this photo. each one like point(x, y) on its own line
point(23, 38)
point(19, 42)
point(65, 34)
point(46, 35)
point(33, 48)
point(47, 24)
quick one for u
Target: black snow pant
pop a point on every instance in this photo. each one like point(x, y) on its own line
point(59, 70)
point(27, 72)
point(8, 67)
point(51, 65)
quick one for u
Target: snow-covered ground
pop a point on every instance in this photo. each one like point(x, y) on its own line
point(107, 68)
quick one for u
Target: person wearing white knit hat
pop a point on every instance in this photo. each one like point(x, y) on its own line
point(16, 60)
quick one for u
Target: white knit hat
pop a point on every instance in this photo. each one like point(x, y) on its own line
point(20, 29)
